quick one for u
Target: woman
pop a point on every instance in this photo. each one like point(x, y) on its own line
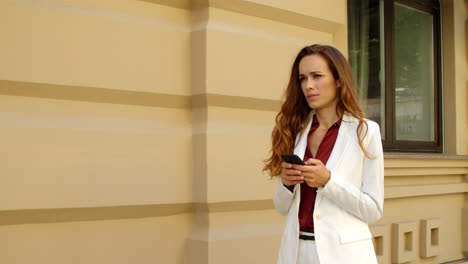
point(330, 200)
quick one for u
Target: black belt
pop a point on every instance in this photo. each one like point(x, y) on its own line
point(306, 237)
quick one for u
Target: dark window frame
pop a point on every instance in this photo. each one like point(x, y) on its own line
point(390, 143)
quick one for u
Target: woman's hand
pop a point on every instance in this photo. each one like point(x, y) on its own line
point(290, 176)
point(314, 172)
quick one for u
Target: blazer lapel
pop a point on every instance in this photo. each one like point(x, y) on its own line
point(339, 149)
point(341, 142)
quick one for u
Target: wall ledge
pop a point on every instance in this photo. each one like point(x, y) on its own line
point(396, 155)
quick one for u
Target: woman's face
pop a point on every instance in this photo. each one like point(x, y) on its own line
point(317, 83)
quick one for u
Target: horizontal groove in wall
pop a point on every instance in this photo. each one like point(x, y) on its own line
point(257, 10)
point(204, 100)
point(184, 4)
point(426, 179)
point(424, 171)
point(137, 98)
point(403, 191)
point(429, 161)
point(93, 94)
point(40, 216)
point(57, 215)
point(231, 206)
point(419, 156)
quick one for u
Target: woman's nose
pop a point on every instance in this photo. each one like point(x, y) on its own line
point(310, 84)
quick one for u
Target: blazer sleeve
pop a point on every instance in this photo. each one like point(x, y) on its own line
point(283, 197)
point(365, 203)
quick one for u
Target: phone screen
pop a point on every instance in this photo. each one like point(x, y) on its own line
point(293, 159)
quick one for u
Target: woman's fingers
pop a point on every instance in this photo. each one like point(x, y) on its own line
point(292, 172)
point(312, 181)
point(291, 176)
point(314, 162)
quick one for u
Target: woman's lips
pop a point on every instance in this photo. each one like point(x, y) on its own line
point(312, 97)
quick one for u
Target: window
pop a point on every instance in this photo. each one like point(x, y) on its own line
point(394, 51)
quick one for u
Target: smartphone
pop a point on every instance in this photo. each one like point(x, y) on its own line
point(293, 159)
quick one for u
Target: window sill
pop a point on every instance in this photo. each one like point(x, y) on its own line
point(396, 155)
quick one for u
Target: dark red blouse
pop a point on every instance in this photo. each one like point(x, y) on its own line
point(308, 194)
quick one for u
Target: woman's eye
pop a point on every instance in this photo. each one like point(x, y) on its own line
point(317, 76)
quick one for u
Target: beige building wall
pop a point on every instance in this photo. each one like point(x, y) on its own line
point(134, 132)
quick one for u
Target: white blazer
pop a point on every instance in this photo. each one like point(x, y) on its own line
point(352, 198)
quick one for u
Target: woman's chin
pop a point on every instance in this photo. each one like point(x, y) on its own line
point(314, 106)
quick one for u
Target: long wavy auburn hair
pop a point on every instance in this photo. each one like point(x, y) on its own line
point(294, 114)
